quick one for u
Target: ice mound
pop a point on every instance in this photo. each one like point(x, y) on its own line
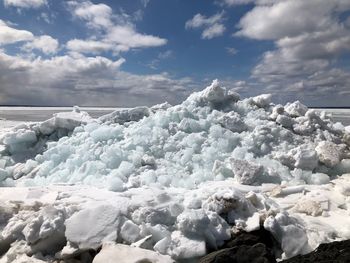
point(178, 180)
point(25, 141)
point(211, 136)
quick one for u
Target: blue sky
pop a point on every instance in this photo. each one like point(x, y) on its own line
point(142, 52)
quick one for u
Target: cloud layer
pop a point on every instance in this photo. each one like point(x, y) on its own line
point(75, 72)
point(309, 36)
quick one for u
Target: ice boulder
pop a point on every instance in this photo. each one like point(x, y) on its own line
point(92, 226)
point(246, 172)
point(181, 247)
point(289, 233)
point(296, 109)
point(214, 93)
point(330, 153)
point(233, 96)
point(233, 122)
point(64, 120)
point(262, 100)
point(305, 157)
point(130, 232)
point(19, 140)
point(285, 121)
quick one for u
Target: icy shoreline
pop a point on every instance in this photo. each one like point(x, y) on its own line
point(174, 179)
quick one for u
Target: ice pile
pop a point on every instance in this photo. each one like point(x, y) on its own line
point(181, 178)
point(211, 136)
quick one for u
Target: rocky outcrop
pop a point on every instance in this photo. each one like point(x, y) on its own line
point(335, 252)
point(254, 247)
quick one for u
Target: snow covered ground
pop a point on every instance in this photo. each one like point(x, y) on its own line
point(177, 180)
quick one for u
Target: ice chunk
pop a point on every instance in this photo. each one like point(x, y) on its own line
point(120, 253)
point(296, 109)
point(285, 121)
point(90, 227)
point(305, 157)
point(246, 172)
point(130, 232)
point(214, 93)
point(193, 221)
point(262, 100)
point(276, 110)
point(233, 96)
point(20, 136)
point(288, 232)
point(182, 247)
point(330, 153)
point(64, 120)
point(253, 223)
point(233, 122)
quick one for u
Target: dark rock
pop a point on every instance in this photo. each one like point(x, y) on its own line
point(335, 252)
point(251, 238)
point(257, 253)
point(254, 247)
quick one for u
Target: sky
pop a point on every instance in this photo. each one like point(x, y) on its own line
point(125, 53)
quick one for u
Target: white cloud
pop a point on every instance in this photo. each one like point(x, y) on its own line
point(212, 26)
point(117, 32)
point(89, 46)
point(46, 44)
point(9, 35)
point(286, 18)
point(309, 37)
point(126, 35)
point(97, 15)
point(25, 3)
point(215, 30)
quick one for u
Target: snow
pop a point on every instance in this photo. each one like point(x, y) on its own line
point(177, 180)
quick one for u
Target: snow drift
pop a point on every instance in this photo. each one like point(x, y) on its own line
point(180, 178)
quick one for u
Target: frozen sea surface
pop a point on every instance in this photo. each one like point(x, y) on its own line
point(32, 114)
point(43, 113)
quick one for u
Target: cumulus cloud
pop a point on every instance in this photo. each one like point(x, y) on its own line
point(96, 15)
point(126, 35)
point(212, 26)
point(117, 32)
point(46, 44)
point(287, 19)
point(25, 3)
point(309, 37)
point(9, 35)
point(83, 80)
